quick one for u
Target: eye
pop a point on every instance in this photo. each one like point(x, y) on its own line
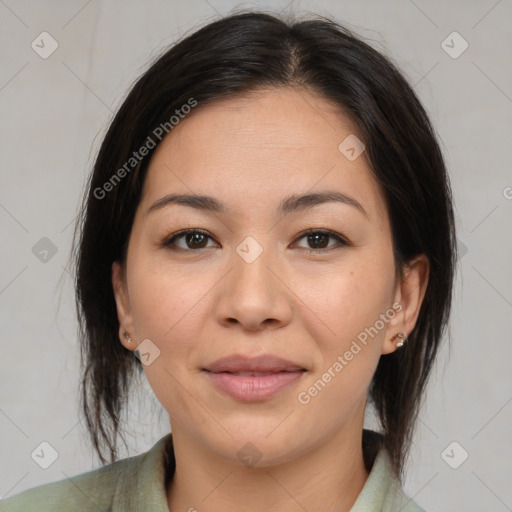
point(193, 238)
point(319, 239)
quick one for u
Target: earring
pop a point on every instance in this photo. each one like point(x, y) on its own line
point(402, 337)
point(127, 336)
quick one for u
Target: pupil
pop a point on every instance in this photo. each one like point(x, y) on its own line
point(195, 238)
point(314, 239)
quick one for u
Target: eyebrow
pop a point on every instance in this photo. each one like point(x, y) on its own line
point(289, 204)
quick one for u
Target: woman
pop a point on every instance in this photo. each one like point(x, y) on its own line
point(269, 229)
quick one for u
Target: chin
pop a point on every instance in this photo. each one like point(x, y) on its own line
point(263, 446)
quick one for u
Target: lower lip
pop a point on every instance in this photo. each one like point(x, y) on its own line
point(253, 388)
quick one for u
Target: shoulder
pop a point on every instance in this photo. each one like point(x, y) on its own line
point(394, 498)
point(382, 491)
point(91, 491)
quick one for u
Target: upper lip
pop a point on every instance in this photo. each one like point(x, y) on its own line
point(265, 363)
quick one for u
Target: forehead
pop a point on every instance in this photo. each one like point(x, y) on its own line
point(253, 150)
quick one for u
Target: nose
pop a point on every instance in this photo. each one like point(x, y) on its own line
point(254, 294)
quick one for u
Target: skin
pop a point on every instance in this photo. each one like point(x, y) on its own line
point(200, 304)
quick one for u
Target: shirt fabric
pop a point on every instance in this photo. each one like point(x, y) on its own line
point(139, 483)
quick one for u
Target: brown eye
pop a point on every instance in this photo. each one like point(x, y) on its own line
point(194, 239)
point(319, 240)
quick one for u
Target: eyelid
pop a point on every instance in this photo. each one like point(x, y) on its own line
point(168, 240)
point(342, 241)
point(324, 231)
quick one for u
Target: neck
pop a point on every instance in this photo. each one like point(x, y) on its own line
point(328, 478)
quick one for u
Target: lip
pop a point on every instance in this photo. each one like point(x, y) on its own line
point(263, 363)
point(261, 377)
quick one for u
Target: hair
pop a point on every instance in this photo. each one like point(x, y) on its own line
point(237, 55)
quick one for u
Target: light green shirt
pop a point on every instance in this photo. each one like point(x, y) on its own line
point(139, 483)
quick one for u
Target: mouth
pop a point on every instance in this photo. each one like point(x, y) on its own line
point(253, 379)
point(256, 374)
point(253, 386)
point(246, 364)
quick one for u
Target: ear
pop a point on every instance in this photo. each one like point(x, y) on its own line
point(124, 314)
point(410, 292)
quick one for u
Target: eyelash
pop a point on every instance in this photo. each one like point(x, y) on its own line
point(169, 242)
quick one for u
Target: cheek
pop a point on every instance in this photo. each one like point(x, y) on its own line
point(166, 304)
point(349, 305)
point(348, 301)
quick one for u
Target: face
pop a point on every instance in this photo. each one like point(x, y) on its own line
point(311, 283)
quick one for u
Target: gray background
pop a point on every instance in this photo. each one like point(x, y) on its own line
point(54, 113)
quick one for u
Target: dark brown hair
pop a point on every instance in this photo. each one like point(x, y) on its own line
point(236, 55)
